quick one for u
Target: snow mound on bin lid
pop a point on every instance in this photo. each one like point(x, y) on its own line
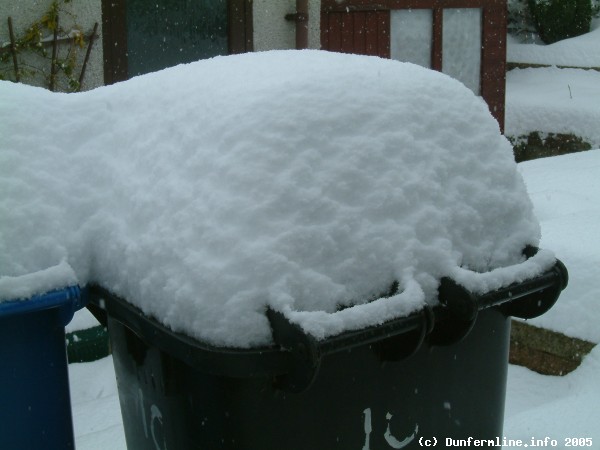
point(303, 181)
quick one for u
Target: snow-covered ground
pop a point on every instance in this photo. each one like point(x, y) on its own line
point(551, 99)
point(565, 191)
point(566, 194)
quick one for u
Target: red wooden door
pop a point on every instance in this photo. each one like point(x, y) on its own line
point(361, 32)
point(363, 27)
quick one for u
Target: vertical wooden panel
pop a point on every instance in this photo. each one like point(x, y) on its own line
point(114, 40)
point(360, 43)
point(383, 32)
point(347, 33)
point(437, 36)
point(371, 33)
point(301, 24)
point(325, 17)
point(493, 60)
point(334, 32)
point(240, 29)
point(360, 32)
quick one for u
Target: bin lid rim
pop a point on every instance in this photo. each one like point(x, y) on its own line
point(64, 297)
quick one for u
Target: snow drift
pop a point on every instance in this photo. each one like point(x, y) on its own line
point(305, 181)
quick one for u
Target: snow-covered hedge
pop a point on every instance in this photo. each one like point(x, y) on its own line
point(520, 22)
point(553, 20)
point(556, 20)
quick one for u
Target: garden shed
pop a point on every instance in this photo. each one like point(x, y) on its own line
point(465, 39)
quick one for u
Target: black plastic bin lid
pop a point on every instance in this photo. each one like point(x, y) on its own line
point(296, 355)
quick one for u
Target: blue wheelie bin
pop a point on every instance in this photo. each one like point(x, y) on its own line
point(34, 382)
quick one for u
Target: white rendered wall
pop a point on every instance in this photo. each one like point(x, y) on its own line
point(84, 13)
point(314, 24)
point(272, 31)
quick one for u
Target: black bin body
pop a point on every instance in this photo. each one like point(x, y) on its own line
point(357, 401)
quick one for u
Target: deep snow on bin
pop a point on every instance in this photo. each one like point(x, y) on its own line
point(304, 181)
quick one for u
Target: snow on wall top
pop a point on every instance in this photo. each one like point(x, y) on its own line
point(306, 181)
point(579, 51)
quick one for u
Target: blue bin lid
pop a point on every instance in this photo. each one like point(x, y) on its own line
point(69, 299)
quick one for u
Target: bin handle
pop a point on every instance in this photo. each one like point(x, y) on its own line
point(536, 295)
point(398, 338)
point(526, 299)
point(407, 332)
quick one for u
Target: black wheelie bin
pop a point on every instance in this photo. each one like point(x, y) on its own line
point(408, 383)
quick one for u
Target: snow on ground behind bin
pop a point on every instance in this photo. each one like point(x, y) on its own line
point(306, 181)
